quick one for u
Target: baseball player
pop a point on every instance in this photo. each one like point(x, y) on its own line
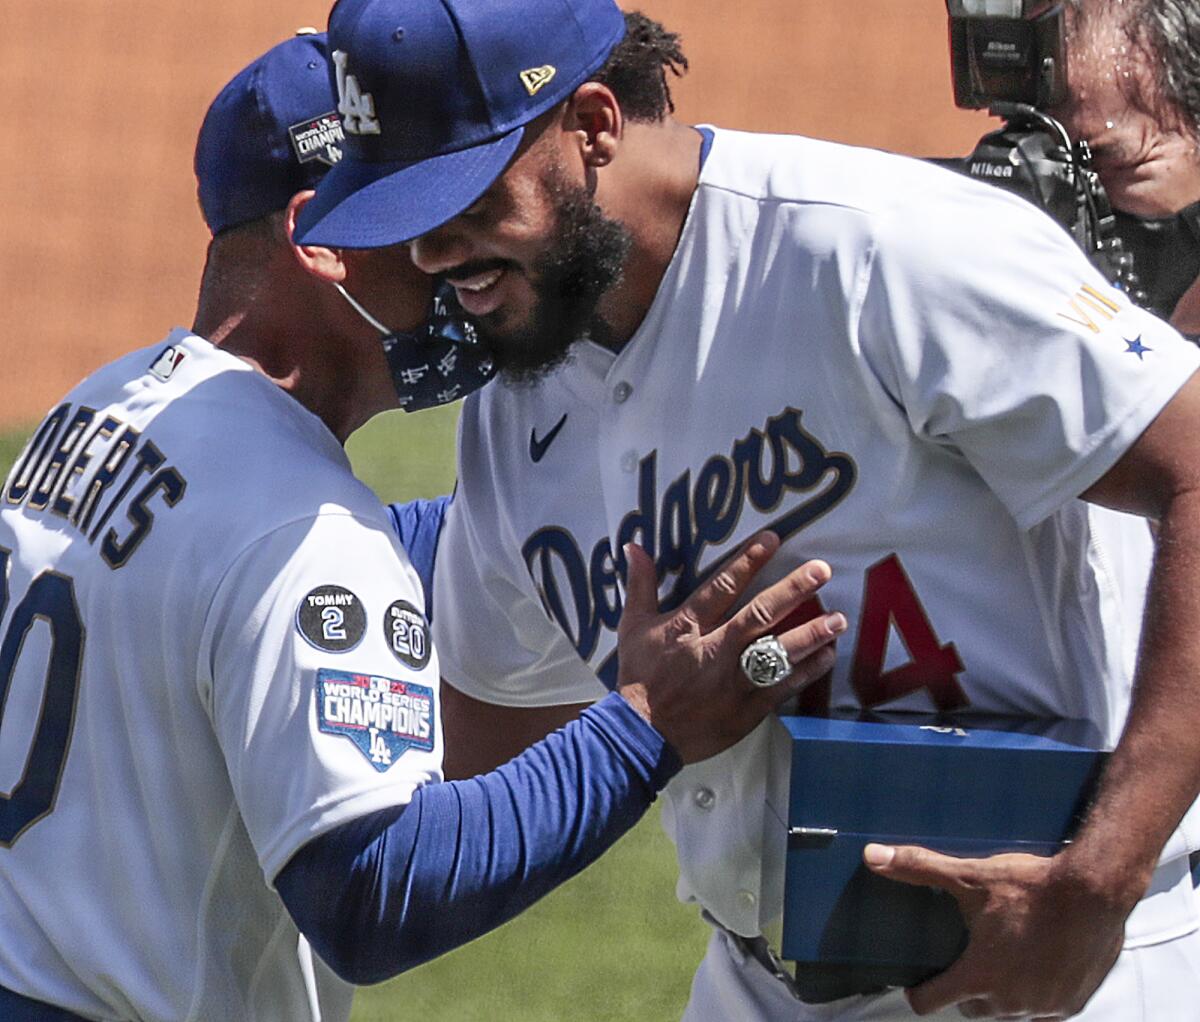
point(706, 332)
point(219, 701)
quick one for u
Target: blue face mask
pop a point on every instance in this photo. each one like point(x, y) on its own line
point(435, 365)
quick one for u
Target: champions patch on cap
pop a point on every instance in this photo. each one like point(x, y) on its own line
point(271, 132)
point(382, 716)
point(319, 139)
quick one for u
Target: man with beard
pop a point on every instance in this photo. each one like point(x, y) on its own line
point(583, 259)
point(828, 340)
point(220, 705)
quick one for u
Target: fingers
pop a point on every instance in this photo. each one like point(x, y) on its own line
point(912, 865)
point(712, 601)
point(777, 601)
point(804, 641)
point(641, 585)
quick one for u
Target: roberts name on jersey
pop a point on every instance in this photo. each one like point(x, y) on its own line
point(82, 470)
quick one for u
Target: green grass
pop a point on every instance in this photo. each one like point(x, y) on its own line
point(11, 443)
point(612, 944)
point(402, 456)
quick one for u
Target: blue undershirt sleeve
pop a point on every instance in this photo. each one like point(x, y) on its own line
point(419, 524)
point(389, 891)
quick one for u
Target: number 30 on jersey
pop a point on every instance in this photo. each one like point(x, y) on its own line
point(50, 600)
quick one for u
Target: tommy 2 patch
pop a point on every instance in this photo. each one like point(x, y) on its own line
point(331, 618)
point(382, 716)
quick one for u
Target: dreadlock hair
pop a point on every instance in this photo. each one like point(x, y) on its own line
point(636, 70)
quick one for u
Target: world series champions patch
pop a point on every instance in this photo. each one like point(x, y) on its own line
point(321, 138)
point(382, 716)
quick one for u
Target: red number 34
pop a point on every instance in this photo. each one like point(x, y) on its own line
point(889, 601)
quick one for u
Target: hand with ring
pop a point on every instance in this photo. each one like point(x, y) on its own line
point(705, 677)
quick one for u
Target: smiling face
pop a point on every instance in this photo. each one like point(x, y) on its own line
point(529, 261)
point(1147, 160)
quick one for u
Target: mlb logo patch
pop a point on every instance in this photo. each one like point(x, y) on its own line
point(168, 360)
point(383, 717)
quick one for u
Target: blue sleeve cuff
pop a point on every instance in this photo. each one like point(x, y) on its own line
point(648, 752)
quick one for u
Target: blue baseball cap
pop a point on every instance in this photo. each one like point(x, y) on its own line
point(271, 132)
point(435, 96)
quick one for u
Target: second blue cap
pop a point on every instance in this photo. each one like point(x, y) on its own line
point(434, 97)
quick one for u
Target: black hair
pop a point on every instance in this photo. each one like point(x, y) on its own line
point(1170, 31)
point(1167, 33)
point(636, 70)
point(236, 264)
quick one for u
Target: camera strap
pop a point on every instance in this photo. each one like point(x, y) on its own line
point(1166, 254)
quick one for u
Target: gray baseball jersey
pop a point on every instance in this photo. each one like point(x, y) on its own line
point(211, 652)
point(908, 374)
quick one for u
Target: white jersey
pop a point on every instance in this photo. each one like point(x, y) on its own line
point(906, 373)
point(212, 653)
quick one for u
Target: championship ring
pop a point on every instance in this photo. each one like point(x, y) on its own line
point(765, 662)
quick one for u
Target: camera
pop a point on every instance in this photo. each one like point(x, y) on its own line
point(1009, 57)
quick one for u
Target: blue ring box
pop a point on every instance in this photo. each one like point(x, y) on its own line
point(965, 785)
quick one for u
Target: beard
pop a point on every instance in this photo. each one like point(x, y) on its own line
point(584, 258)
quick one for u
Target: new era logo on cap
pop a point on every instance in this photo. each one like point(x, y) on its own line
point(434, 97)
point(536, 77)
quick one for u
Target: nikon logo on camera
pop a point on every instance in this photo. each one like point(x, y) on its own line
point(991, 170)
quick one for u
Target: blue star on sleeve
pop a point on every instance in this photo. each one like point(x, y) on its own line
point(1136, 347)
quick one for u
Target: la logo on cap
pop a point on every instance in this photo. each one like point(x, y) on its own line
point(536, 77)
point(356, 107)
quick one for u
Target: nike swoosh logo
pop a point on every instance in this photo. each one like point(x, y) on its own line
point(538, 448)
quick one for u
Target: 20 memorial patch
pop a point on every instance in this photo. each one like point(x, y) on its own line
point(382, 716)
point(407, 634)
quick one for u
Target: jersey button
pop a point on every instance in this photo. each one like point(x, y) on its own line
point(747, 899)
point(622, 391)
point(629, 461)
point(705, 798)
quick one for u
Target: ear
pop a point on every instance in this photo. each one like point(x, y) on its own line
point(594, 115)
point(323, 263)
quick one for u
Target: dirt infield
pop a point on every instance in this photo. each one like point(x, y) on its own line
point(103, 242)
